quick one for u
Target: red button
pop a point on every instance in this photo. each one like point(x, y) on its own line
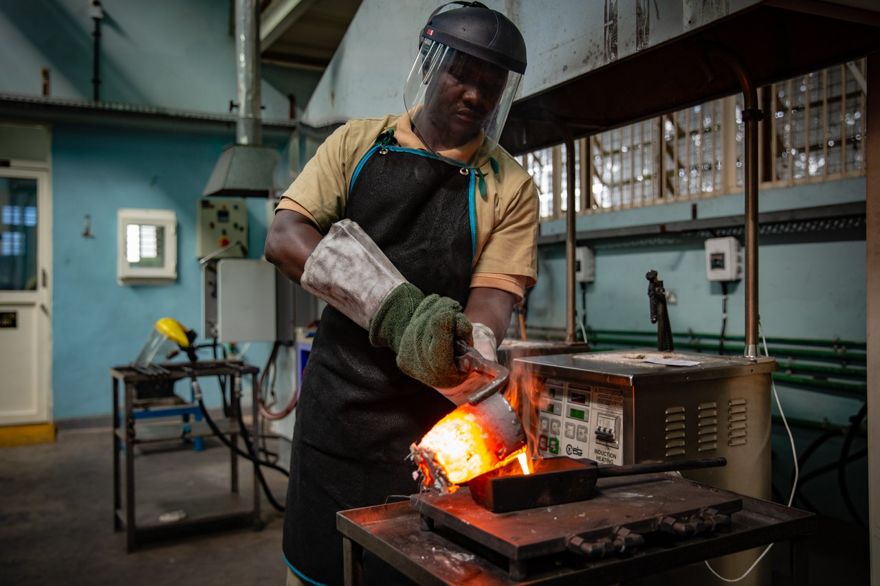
point(224, 242)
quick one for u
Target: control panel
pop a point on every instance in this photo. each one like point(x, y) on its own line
point(222, 222)
point(581, 421)
point(723, 259)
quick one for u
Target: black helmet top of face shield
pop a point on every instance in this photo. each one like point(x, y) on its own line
point(481, 32)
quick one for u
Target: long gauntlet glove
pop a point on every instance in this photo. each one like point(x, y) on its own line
point(349, 271)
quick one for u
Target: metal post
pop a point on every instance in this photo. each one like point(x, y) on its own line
point(751, 116)
point(569, 238)
point(247, 72)
point(130, 527)
point(117, 495)
point(872, 163)
point(97, 15)
point(234, 381)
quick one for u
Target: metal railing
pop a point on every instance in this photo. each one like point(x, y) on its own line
point(813, 130)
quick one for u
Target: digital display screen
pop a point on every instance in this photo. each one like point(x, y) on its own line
point(222, 216)
point(577, 414)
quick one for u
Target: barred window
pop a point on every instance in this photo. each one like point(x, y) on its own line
point(813, 130)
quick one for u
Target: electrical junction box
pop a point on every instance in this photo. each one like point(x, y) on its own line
point(722, 259)
point(222, 222)
point(584, 265)
point(245, 306)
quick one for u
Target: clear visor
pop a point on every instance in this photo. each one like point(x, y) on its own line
point(157, 349)
point(455, 99)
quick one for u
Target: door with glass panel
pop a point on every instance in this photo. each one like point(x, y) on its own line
point(25, 298)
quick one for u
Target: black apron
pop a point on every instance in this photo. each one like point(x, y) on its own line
point(358, 413)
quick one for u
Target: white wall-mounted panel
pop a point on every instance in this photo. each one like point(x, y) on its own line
point(245, 300)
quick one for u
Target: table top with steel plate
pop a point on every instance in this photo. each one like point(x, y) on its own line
point(397, 534)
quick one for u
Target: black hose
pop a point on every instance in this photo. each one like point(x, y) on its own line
point(807, 504)
point(250, 446)
point(824, 437)
point(250, 454)
point(832, 466)
point(221, 380)
point(799, 497)
point(855, 425)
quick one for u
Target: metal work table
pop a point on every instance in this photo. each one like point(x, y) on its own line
point(395, 534)
point(125, 437)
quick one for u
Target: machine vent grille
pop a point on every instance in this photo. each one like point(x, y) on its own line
point(737, 424)
point(675, 431)
point(707, 427)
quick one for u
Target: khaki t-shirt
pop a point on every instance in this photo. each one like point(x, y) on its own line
point(506, 215)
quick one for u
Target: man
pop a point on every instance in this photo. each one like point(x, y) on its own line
point(398, 223)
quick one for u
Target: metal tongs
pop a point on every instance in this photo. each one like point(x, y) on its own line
point(469, 360)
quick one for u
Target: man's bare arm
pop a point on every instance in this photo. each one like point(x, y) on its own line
point(292, 238)
point(491, 307)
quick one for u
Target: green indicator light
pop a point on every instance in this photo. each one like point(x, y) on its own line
point(577, 414)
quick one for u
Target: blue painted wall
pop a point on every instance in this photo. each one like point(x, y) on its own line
point(162, 53)
point(807, 290)
point(98, 323)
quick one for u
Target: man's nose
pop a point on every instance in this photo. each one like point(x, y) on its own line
point(474, 97)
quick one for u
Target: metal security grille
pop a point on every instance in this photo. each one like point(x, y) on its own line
point(813, 130)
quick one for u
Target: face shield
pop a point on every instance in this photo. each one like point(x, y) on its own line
point(454, 98)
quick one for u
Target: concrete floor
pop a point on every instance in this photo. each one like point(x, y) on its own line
point(56, 518)
point(56, 522)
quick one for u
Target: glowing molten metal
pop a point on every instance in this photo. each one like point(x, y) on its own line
point(470, 441)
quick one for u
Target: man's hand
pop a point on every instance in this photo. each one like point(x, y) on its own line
point(422, 332)
point(427, 347)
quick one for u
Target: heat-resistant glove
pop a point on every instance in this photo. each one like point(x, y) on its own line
point(422, 332)
point(351, 273)
point(426, 350)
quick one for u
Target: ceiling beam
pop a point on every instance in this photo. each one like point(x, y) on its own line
point(280, 16)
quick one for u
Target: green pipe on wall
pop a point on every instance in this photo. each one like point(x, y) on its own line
point(849, 344)
point(855, 358)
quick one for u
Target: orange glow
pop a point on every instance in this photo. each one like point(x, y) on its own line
point(460, 448)
point(524, 463)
